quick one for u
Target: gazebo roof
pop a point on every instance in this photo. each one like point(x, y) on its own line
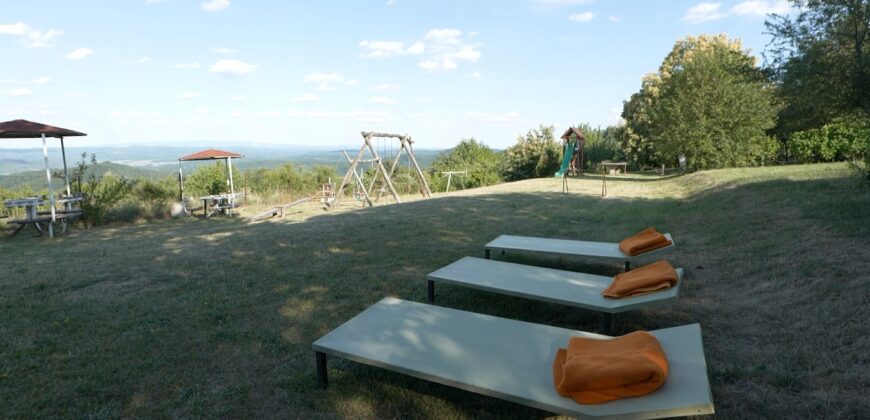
point(210, 154)
point(576, 131)
point(18, 129)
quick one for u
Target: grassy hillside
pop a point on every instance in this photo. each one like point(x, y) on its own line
point(215, 318)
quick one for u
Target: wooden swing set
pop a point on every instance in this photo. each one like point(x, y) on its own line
point(381, 172)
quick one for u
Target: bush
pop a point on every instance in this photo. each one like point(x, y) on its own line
point(834, 142)
point(208, 179)
point(602, 144)
point(536, 155)
point(483, 164)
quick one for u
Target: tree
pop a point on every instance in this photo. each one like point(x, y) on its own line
point(708, 102)
point(821, 58)
point(482, 163)
point(536, 154)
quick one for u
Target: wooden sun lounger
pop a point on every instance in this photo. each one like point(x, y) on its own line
point(604, 250)
point(506, 359)
point(546, 284)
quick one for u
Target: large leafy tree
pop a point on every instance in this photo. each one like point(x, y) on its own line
point(821, 57)
point(536, 154)
point(483, 165)
point(708, 102)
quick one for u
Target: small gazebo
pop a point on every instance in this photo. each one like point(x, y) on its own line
point(18, 129)
point(210, 154)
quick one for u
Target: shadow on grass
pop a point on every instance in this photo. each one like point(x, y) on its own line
point(216, 317)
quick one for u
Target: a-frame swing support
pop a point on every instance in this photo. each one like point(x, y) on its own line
point(406, 144)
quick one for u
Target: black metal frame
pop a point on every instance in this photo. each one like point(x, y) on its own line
point(431, 291)
point(322, 376)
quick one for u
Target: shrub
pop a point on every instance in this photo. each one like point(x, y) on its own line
point(208, 179)
point(602, 144)
point(833, 142)
point(483, 164)
point(536, 154)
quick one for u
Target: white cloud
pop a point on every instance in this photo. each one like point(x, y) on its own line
point(215, 5)
point(142, 60)
point(761, 7)
point(306, 98)
point(324, 81)
point(186, 66)
point(416, 48)
point(614, 18)
point(18, 92)
point(475, 75)
point(236, 114)
point(492, 118)
point(225, 51)
point(441, 48)
point(351, 82)
point(422, 100)
point(155, 1)
point(237, 98)
point(582, 17)
point(386, 87)
point(188, 95)
point(32, 38)
point(232, 67)
point(383, 100)
point(391, 2)
point(80, 53)
point(703, 12)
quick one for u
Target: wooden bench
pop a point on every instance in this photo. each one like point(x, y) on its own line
point(570, 288)
point(505, 358)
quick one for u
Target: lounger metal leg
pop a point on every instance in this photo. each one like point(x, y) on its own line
point(21, 226)
point(627, 265)
point(605, 323)
point(431, 294)
point(322, 379)
point(486, 253)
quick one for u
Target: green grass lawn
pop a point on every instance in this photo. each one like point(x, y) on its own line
point(215, 318)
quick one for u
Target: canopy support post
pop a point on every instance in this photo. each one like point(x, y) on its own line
point(50, 190)
point(180, 183)
point(66, 175)
point(232, 189)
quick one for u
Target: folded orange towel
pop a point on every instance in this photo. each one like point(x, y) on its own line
point(596, 371)
point(645, 241)
point(650, 278)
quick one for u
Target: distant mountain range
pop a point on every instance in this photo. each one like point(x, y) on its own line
point(20, 167)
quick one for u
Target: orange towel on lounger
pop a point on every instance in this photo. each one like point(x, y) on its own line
point(645, 241)
point(650, 278)
point(594, 371)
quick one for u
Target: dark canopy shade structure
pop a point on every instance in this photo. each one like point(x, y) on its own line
point(210, 154)
point(18, 129)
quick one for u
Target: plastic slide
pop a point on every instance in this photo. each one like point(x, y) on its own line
point(567, 154)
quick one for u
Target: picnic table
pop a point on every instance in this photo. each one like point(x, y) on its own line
point(611, 167)
point(40, 219)
point(220, 203)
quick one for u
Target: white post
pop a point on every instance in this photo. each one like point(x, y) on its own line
point(180, 182)
point(449, 177)
point(232, 189)
point(65, 171)
point(50, 190)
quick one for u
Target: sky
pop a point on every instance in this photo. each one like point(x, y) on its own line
point(257, 72)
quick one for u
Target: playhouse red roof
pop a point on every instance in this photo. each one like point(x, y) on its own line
point(17, 129)
point(209, 154)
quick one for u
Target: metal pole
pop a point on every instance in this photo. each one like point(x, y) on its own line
point(180, 182)
point(65, 171)
point(232, 189)
point(449, 176)
point(50, 190)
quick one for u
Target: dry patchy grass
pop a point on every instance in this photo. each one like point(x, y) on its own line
point(215, 318)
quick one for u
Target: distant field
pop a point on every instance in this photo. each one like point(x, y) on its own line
point(215, 318)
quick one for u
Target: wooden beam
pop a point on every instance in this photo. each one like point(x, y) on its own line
point(425, 190)
point(347, 176)
point(359, 181)
point(383, 170)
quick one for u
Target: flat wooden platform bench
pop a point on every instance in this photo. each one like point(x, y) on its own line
point(603, 250)
point(547, 285)
point(506, 359)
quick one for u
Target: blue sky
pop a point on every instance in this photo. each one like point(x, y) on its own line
point(234, 72)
